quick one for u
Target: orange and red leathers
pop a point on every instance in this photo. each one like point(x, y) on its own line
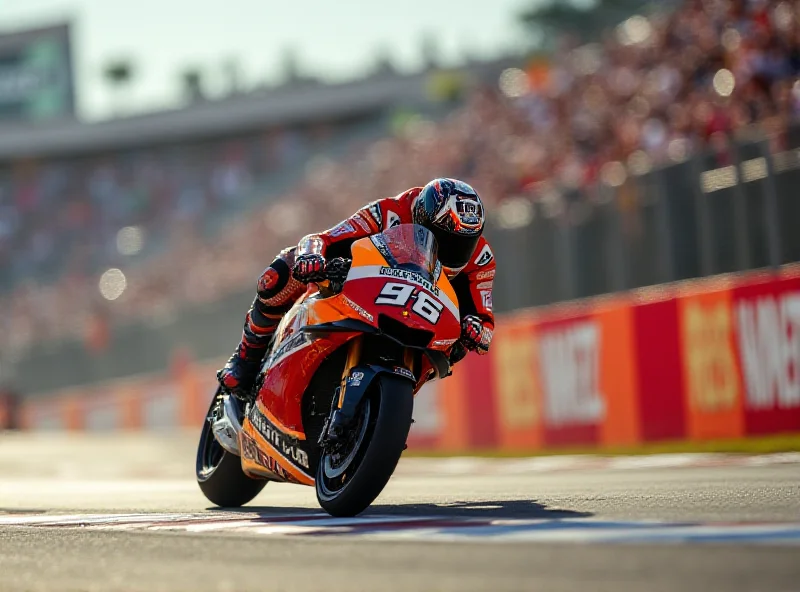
point(473, 283)
point(279, 285)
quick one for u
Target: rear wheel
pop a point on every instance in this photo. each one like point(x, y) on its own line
point(348, 481)
point(219, 472)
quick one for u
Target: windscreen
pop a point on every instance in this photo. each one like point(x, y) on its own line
point(409, 246)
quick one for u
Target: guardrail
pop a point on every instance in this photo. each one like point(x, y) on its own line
point(732, 209)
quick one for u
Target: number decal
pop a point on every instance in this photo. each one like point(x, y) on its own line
point(395, 294)
point(425, 305)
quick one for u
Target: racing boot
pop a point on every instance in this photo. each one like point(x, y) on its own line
point(239, 373)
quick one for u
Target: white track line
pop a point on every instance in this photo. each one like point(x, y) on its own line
point(427, 528)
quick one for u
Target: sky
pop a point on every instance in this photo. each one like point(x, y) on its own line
point(335, 39)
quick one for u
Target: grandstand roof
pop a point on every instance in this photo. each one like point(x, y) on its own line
point(288, 105)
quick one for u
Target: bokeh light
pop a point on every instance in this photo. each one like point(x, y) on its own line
point(796, 90)
point(112, 283)
point(639, 163)
point(634, 31)
point(130, 240)
point(678, 150)
point(724, 82)
point(586, 59)
point(783, 16)
point(613, 173)
point(514, 82)
point(515, 213)
point(731, 39)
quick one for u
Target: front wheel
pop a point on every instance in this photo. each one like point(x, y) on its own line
point(348, 481)
point(219, 473)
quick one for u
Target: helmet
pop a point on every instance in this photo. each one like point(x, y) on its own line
point(453, 212)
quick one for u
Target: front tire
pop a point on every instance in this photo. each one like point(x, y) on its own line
point(219, 473)
point(348, 487)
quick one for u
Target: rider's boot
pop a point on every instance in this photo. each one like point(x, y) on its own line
point(276, 291)
point(239, 373)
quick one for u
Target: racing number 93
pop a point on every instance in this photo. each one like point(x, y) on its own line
point(425, 305)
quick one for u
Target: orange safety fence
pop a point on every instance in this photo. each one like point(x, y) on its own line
point(705, 359)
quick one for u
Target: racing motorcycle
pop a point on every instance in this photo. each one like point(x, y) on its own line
point(333, 400)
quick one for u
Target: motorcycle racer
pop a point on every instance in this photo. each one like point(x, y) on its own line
point(450, 209)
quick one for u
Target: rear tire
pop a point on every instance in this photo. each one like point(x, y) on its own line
point(219, 473)
point(388, 405)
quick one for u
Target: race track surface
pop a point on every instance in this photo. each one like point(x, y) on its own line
point(125, 514)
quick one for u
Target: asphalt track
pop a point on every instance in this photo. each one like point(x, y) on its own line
point(124, 514)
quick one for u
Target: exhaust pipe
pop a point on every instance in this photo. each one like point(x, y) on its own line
point(226, 429)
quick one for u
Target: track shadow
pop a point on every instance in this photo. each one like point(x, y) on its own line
point(498, 509)
point(269, 510)
point(478, 509)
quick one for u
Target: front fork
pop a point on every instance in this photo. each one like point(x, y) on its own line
point(343, 411)
point(337, 422)
point(353, 358)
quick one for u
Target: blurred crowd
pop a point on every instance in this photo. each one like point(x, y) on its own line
point(653, 90)
point(660, 88)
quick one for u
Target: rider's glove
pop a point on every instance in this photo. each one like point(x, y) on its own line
point(336, 271)
point(475, 336)
point(309, 268)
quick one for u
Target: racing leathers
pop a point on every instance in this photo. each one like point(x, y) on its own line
point(280, 285)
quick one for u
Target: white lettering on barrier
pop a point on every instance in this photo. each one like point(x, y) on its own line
point(570, 365)
point(769, 346)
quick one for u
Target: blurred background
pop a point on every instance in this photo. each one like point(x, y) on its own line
point(154, 157)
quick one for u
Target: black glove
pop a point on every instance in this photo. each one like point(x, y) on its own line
point(309, 268)
point(336, 271)
point(474, 335)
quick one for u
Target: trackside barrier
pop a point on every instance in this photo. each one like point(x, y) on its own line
point(705, 359)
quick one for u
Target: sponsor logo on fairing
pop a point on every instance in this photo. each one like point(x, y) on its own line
point(484, 257)
point(251, 451)
point(355, 379)
point(291, 344)
point(404, 372)
point(411, 277)
point(358, 309)
point(443, 342)
point(277, 439)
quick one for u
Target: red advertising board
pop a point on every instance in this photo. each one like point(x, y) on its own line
point(707, 359)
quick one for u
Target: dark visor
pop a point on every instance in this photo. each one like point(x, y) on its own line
point(455, 250)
